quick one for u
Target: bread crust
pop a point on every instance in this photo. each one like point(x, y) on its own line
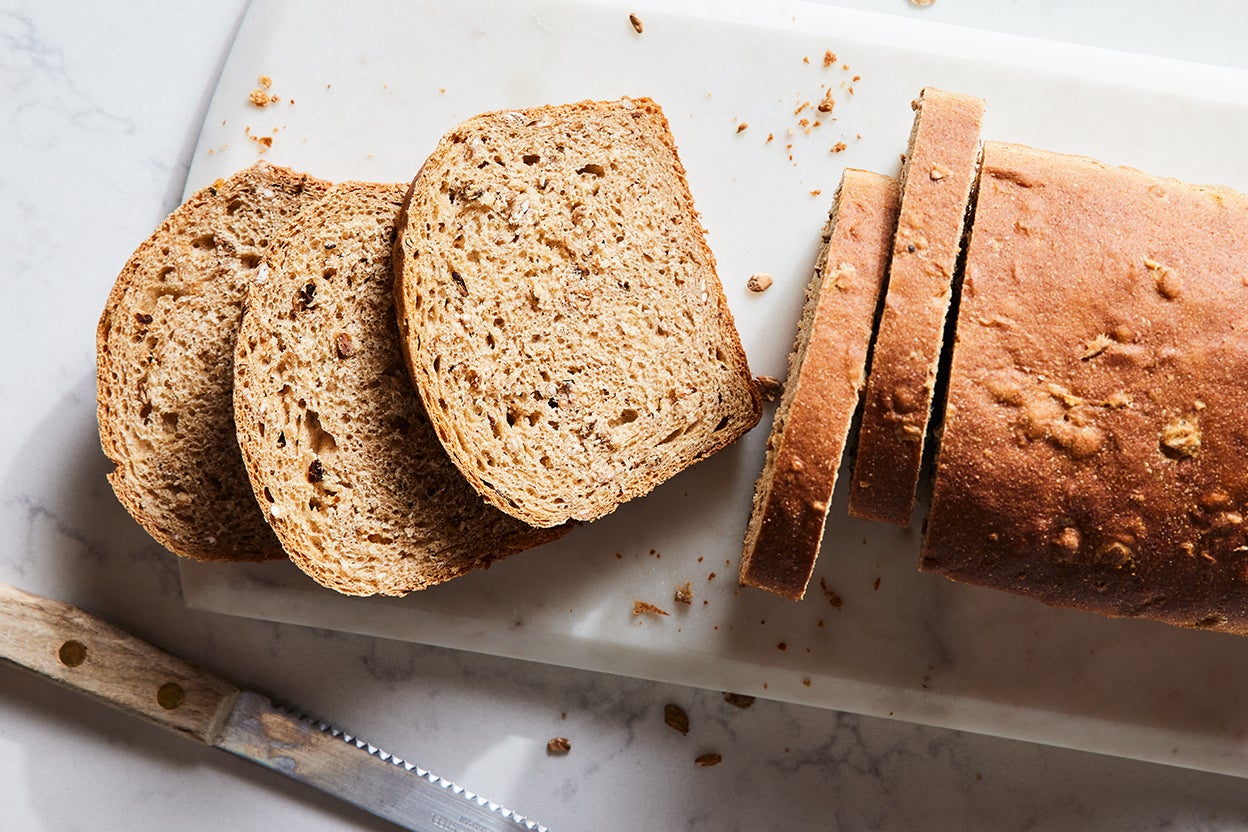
point(336, 443)
point(827, 372)
point(937, 183)
point(164, 351)
point(1094, 446)
point(597, 481)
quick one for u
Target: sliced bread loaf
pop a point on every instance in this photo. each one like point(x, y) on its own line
point(1094, 446)
point(937, 181)
point(827, 371)
point(337, 445)
point(164, 350)
point(561, 312)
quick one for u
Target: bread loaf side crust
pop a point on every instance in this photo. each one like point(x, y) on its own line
point(827, 372)
point(528, 289)
point(1094, 447)
point(336, 443)
point(937, 183)
point(164, 352)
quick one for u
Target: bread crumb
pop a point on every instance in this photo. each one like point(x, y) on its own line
point(558, 746)
point(265, 81)
point(839, 147)
point(782, 646)
point(829, 58)
point(828, 102)
point(684, 593)
point(806, 682)
point(636, 21)
point(738, 700)
point(743, 126)
point(769, 387)
point(759, 282)
point(771, 137)
point(707, 760)
point(645, 607)
point(676, 718)
point(801, 107)
point(829, 593)
point(816, 192)
point(922, 2)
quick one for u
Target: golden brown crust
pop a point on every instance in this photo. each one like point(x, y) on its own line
point(826, 376)
point(1094, 445)
point(164, 348)
point(936, 190)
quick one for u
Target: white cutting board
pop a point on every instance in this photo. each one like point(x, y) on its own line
point(365, 92)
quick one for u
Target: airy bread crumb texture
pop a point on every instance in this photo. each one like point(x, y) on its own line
point(337, 445)
point(561, 310)
point(165, 344)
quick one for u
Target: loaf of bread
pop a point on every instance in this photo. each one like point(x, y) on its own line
point(827, 371)
point(561, 313)
point(937, 183)
point(1095, 440)
point(164, 374)
point(335, 440)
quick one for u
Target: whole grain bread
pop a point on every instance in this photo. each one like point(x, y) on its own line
point(164, 349)
point(937, 182)
point(827, 372)
point(1094, 443)
point(561, 312)
point(336, 442)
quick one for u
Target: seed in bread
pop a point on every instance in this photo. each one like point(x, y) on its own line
point(164, 374)
point(1094, 439)
point(937, 182)
point(561, 312)
point(337, 445)
point(827, 371)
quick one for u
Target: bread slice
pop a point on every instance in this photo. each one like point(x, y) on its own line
point(937, 181)
point(336, 443)
point(827, 371)
point(1094, 443)
point(164, 349)
point(561, 312)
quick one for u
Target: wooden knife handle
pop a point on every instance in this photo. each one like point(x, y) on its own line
point(82, 652)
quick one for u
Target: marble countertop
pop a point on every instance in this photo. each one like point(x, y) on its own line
point(100, 109)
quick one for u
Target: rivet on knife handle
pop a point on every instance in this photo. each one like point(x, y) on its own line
point(82, 652)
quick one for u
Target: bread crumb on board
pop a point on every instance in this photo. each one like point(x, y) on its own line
point(636, 21)
point(738, 700)
point(683, 593)
point(759, 282)
point(260, 96)
point(558, 746)
point(769, 387)
point(646, 608)
point(707, 760)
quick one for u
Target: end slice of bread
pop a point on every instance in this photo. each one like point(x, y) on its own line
point(827, 372)
point(164, 352)
point(336, 442)
point(937, 181)
point(561, 312)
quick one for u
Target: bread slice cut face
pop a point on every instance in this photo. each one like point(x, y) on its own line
point(337, 445)
point(164, 365)
point(561, 312)
point(827, 372)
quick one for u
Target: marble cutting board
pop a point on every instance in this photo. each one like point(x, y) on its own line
point(365, 92)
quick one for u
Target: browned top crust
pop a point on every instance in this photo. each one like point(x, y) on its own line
point(561, 313)
point(1095, 441)
point(164, 365)
point(936, 189)
point(827, 370)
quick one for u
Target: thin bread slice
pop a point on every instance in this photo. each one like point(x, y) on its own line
point(1094, 446)
point(337, 445)
point(937, 181)
point(164, 349)
point(827, 372)
point(561, 313)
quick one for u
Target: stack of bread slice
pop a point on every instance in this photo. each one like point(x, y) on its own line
point(1090, 451)
point(394, 384)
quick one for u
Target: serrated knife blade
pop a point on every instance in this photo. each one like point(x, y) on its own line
point(77, 650)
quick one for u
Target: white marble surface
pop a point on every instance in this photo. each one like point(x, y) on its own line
point(99, 110)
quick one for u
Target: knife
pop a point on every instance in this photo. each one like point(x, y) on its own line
point(83, 653)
